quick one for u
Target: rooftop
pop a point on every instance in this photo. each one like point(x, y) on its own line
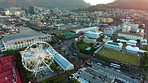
point(23, 33)
point(136, 49)
point(118, 75)
point(8, 73)
point(135, 34)
point(66, 33)
point(63, 62)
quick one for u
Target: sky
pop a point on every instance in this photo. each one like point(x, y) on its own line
point(95, 2)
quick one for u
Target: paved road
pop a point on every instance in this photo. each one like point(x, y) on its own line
point(146, 32)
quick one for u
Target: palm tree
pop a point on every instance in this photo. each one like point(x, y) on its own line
point(144, 78)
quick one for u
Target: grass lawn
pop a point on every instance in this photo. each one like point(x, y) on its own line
point(120, 56)
point(83, 46)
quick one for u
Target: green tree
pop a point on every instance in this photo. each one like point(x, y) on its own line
point(68, 74)
point(9, 52)
point(73, 59)
point(145, 47)
point(144, 62)
point(84, 58)
point(73, 80)
point(57, 69)
point(144, 78)
point(58, 80)
point(44, 81)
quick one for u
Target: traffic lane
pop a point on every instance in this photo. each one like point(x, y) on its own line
point(146, 32)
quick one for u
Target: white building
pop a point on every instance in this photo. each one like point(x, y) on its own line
point(24, 42)
point(134, 27)
point(134, 50)
point(126, 28)
point(132, 36)
point(122, 40)
point(62, 62)
point(129, 42)
point(88, 40)
point(106, 38)
point(109, 31)
point(94, 35)
point(143, 42)
point(132, 42)
point(87, 29)
point(113, 45)
point(140, 31)
point(7, 12)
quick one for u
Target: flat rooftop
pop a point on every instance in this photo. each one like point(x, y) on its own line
point(24, 32)
point(115, 74)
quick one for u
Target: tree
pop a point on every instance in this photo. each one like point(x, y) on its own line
point(141, 26)
point(58, 79)
point(73, 80)
point(84, 58)
point(114, 38)
point(73, 59)
point(9, 52)
point(57, 69)
point(29, 77)
point(145, 47)
point(144, 62)
point(144, 78)
point(44, 81)
point(68, 74)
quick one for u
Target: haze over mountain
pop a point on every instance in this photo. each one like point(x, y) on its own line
point(44, 3)
point(134, 4)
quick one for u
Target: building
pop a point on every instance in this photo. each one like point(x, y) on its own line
point(134, 27)
point(104, 20)
point(87, 29)
point(128, 42)
point(91, 75)
point(132, 36)
point(7, 12)
point(93, 35)
point(114, 46)
point(126, 28)
point(132, 42)
point(68, 35)
point(8, 71)
point(143, 42)
point(109, 31)
point(25, 37)
point(88, 40)
point(60, 60)
point(114, 74)
point(24, 42)
point(122, 40)
point(106, 38)
point(134, 50)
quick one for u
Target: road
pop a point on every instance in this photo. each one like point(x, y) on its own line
point(146, 31)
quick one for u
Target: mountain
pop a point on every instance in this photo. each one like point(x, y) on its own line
point(44, 3)
point(128, 4)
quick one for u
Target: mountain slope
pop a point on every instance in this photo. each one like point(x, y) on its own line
point(134, 4)
point(44, 3)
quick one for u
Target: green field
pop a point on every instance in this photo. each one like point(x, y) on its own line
point(83, 46)
point(120, 56)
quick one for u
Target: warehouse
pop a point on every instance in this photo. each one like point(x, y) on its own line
point(62, 62)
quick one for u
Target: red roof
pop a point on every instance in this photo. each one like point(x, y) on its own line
point(8, 72)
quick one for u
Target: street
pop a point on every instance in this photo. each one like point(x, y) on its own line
point(146, 32)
